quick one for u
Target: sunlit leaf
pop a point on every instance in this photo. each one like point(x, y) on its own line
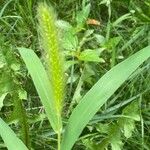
point(10, 138)
point(90, 55)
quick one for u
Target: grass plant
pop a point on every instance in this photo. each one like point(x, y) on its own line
point(74, 75)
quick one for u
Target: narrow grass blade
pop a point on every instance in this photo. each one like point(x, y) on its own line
point(4, 7)
point(133, 39)
point(10, 138)
point(42, 84)
point(99, 94)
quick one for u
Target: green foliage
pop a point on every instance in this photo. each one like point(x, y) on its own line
point(107, 85)
point(90, 55)
point(125, 123)
point(10, 87)
point(128, 124)
point(94, 36)
point(72, 131)
point(142, 14)
point(44, 88)
point(82, 15)
point(10, 138)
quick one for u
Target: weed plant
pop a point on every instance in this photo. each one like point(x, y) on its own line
point(74, 74)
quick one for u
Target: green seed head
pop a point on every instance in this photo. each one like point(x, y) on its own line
point(50, 43)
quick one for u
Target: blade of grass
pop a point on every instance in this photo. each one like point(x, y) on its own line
point(4, 7)
point(99, 94)
point(133, 39)
point(10, 138)
point(122, 18)
point(42, 84)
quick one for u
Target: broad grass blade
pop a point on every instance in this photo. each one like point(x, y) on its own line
point(99, 94)
point(11, 140)
point(42, 84)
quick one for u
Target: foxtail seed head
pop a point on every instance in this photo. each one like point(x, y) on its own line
point(50, 43)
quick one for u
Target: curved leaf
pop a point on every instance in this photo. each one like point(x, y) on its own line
point(10, 138)
point(42, 84)
point(99, 94)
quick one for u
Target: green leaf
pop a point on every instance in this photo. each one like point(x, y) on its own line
point(41, 83)
point(128, 124)
point(99, 39)
point(99, 94)
point(82, 16)
point(70, 40)
point(116, 145)
point(112, 43)
point(114, 137)
point(10, 138)
point(64, 25)
point(90, 55)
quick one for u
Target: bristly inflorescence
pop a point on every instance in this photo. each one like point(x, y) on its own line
point(50, 44)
